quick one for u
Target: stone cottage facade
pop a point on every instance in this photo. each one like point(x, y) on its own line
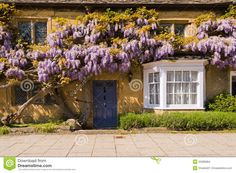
point(185, 84)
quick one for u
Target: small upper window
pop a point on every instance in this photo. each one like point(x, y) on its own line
point(176, 28)
point(179, 29)
point(33, 32)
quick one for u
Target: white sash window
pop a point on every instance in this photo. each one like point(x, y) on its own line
point(174, 85)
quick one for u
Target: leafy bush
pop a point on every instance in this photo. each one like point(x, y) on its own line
point(138, 121)
point(223, 103)
point(4, 130)
point(199, 121)
point(181, 120)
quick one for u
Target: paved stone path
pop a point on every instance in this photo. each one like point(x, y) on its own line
point(149, 144)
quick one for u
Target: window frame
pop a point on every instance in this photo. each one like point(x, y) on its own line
point(232, 73)
point(154, 83)
point(176, 22)
point(32, 22)
point(198, 87)
point(180, 65)
point(45, 101)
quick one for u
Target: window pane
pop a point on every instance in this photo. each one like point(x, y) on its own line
point(170, 76)
point(20, 96)
point(166, 27)
point(170, 99)
point(186, 76)
point(170, 88)
point(178, 76)
point(193, 88)
point(25, 31)
point(157, 88)
point(178, 88)
point(193, 98)
point(194, 76)
point(177, 98)
point(186, 99)
point(151, 98)
point(185, 87)
point(152, 88)
point(40, 32)
point(157, 99)
point(179, 29)
point(156, 77)
point(150, 77)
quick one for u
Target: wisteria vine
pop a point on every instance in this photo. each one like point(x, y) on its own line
point(108, 42)
point(217, 40)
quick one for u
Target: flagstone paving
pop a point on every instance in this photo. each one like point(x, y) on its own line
point(146, 144)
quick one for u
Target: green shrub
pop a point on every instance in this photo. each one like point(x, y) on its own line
point(138, 121)
point(199, 120)
point(181, 120)
point(4, 130)
point(46, 128)
point(223, 103)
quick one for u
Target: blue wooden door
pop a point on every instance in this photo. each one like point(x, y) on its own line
point(105, 104)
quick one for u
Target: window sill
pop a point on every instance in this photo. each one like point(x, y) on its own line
point(175, 108)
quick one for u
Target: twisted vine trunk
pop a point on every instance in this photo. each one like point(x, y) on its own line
point(18, 115)
point(63, 106)
point(41, 94)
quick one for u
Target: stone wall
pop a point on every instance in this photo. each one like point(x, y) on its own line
point(217, 81)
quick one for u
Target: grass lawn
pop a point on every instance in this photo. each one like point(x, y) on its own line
point(37, 128)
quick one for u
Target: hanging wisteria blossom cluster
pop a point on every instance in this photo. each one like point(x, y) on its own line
point(98, 43)
point(217, 39)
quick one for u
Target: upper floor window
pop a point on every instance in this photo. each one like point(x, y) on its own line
point(33, 31)
point(175, 28)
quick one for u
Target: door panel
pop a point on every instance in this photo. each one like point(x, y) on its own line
point(233, 85)
point(105, 104)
